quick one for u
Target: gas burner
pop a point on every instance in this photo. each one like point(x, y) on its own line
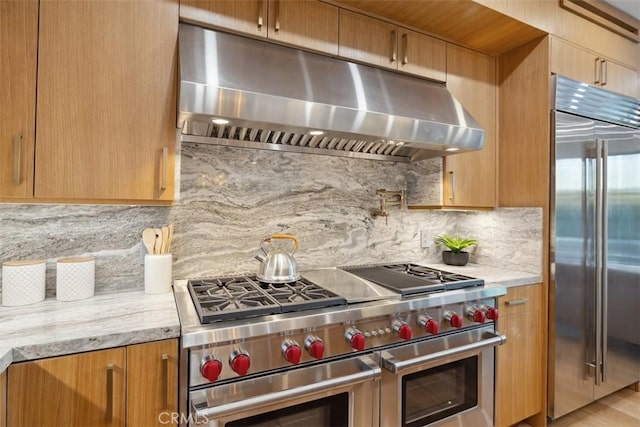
point(228, 298)
point(302, 294)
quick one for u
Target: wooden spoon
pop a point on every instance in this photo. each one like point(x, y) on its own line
point(165, 239)
point(149, 239)
point(170, 238)
point(157, 247)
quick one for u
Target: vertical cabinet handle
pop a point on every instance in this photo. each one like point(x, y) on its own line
point(597, 69)
point(277, 15)
point(165, 381)
point(165, 167)
point(17, 158)
point(109, 409)
point(394, 46)
point(452, 186)
point(603, 72)
point(405, 49)
point(260, 17)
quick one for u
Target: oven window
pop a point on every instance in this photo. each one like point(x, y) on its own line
point(437, 393)
point(331, 411)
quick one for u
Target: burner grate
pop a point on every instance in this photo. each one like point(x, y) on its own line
point(241, 297)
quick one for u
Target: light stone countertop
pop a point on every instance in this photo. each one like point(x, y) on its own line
point(54, 328)
point(492, 275)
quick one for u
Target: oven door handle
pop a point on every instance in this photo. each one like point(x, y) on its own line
point(367, 371)
point(393, 364)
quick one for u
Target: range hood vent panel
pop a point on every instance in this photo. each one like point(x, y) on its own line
point(259, 85)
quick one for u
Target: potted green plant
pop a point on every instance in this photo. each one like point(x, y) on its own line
point(455, 245)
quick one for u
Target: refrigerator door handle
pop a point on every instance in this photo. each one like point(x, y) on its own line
point(598, 254)
point(603, 262)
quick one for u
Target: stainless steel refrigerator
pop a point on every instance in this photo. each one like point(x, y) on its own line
point(594, 345)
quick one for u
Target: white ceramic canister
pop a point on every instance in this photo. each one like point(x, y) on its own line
point(157, 273)
point(75, 278)
point(23, 282)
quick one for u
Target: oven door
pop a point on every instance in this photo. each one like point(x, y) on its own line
point(338, 393)
point(443, 381)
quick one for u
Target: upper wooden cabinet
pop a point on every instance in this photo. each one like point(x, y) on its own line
point(519, 367)
point(470, 178)
point(244, 16)
point(86, 390)
point(390, 46)
point(106, 100)
point(306, 23)
point(19, 35)
point(580, 64)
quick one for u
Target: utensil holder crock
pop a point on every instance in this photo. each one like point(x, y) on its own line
point(23, 282)
point(157, 273)
point(75, 278)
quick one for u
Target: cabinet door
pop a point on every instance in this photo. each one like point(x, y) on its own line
point(368, 40)
point(519, 360)
point(3, 399)
point(422, 55)
point(152, 383)
point(470, 178)
point(620, 79)
point(18, 46)
point(309, 24)
point(573, 62)
point(79, 390)
point(106, 100)
point(244, 16)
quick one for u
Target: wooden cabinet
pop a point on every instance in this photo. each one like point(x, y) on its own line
point(470, 178)
point(309, 24)
point(19, 35)
point(306, 23)
point(580, 64)
point(244, 16)
point(390, 46)
point(79, 390)
point(106, 100)
point(519, 361)
point(3, 399)
point(135, 386)
point(152, 383)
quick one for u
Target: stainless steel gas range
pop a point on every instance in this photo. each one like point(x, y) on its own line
point(377, 345)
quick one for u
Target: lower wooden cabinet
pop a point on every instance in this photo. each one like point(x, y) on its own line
point(116, 387)
point(3, 399)
point(519, 361)
point(152, 383)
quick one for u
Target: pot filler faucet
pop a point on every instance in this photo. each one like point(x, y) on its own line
point(387, 198)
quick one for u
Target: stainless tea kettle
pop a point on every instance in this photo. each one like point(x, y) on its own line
point(277, 265)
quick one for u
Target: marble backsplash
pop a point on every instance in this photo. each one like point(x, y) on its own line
point(231, 198)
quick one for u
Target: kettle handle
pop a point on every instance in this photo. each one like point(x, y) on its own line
point(285, 236)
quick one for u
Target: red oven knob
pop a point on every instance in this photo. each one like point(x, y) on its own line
point(402, 330)
point(428, 324)
point(475, 314)
point(240, 362)
point(315, 347)
point(492, 313)
point(210, 368)
point(454, 320)
point(355, 338)
point(291, 352)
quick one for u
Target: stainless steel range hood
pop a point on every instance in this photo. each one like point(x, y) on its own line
point(280, 98)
